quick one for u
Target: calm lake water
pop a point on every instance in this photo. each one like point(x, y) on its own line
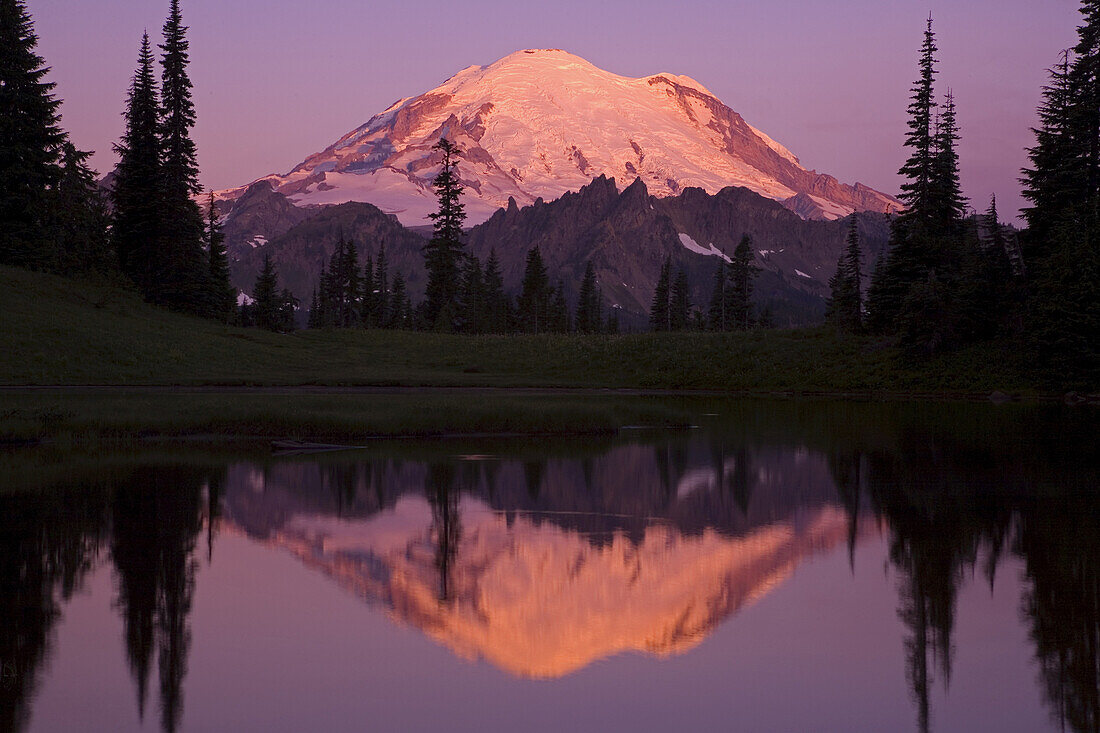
point(781, 567)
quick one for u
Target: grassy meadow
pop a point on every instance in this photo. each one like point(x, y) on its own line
point(203, 378)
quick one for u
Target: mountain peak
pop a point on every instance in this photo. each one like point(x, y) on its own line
point(538, 123)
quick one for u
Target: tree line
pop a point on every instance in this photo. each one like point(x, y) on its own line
point(949, 277)
point(952, 277)
point(462, 294)
point(55, 217)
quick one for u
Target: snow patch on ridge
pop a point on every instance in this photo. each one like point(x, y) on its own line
point(710, 250)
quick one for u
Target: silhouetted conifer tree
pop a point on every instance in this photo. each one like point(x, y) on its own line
point(589, 316)
point(182, 282)
point(716, 312)
point(30, 141)
point(844, 308)
point(534, 299)
point(267, 306)
point(380, 288)
point(497, 304)
point(79, 218)
point(680, 302)
point(742, 276)
point(660, 317)
point(137, 210)
point(559, 311)
point(222, 296)
point(471, 298)
point(443, 253)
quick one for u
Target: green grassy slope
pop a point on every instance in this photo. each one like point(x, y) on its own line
point(56, 331)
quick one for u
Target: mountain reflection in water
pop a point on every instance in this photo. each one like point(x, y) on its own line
point(542, 559)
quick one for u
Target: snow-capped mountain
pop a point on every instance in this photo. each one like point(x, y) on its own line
point(539, 601)
point(540, 123)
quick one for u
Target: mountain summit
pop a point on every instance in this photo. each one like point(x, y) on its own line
point(540, 123)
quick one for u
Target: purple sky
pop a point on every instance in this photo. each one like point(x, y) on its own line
point(276, 80)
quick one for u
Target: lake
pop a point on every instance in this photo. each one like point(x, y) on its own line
point(781, 566)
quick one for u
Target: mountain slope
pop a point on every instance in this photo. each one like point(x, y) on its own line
point(628, 235)
point(540, 123)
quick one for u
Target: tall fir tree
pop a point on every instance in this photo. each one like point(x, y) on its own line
point(367, 317)
point(925, 240)
point(844, 308)
point(1049, 184)
point(79, 226)
point(589, 308)
point(680, 304)
point(660, 317)
point(183, 280)
point(137, 213)
point(742, 278)
point(443, 253)
point(917, 191)
point(399, 312)
point(222, 296)
point(534, 299)
point(948, 202)
point(30, 141)
point(497, 305)
point(717, 311)
point(471, 298)
point(1063, 184)
point(267, 304)
point(380, 287)
point(559, 320)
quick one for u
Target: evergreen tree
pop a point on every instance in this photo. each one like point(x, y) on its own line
point(184, 276)
point(471, 298)
point(314, 320)
point(612, 325)
point(534, 298)
point(559, 311)
point(717, 312)
point(267, 305)
point(589, 319)
point(380, 287)
point(917, 192)
point(680, 302)
point(948, 202)
point(287, 307)
point(497, 304)
point(443, 253)
point(927, 240)
point(742, 276)
point(660, 317)
point(350, 287)
point(1063, 242)
point(79, 218)
point(1055, 160)
point(326, 303)
point(844, 308)
point(221, 295)
point(368, 311)
point(137, 212)
point(30, 140)
point(399, 312)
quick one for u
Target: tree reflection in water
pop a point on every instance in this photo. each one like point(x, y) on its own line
point(957, 489)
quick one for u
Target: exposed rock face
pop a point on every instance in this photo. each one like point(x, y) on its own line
point(301, 241)
point(259, 215)
point(541, 123)
point(628, 236)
